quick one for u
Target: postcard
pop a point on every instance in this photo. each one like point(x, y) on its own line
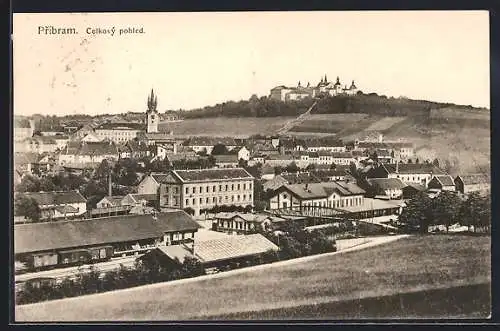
point(223, 166)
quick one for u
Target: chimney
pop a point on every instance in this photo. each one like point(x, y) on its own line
point(110, 186)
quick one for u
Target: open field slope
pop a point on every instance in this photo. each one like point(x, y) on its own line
point(408, 265)
point(225, 126)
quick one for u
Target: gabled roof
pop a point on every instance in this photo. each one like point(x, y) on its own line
point(324, 142)
point(56, 197)
point(445, 180)
point(415, 186)
point(121, 126)
point(94, 149)
point(115, 200)
point(300, 178)
point(387, 183)
point(211, 141)
point(138, 197)
point(232, 247)
point(323, 190)
point(472, 179)
point(25, 158)
point(227, 158)
point(212, 174)
point(98, 231)
point(413, 168)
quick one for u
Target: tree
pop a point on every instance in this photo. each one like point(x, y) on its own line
point(417, 215)
point(470, 211)
point(219, 149)
point(445, 208)
point(27, 207)
point(29, 183)
point(292, 167)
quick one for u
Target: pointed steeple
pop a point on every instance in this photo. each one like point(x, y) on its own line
point(326, 80)
point(308, 84)
point(298, 84)
point(152, 102)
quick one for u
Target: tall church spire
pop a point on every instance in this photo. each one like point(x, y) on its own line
point(152, 102)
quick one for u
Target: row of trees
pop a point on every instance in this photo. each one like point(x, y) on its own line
point(362, 103)
point(94, 282)
point(294, 241)
point(447, 209)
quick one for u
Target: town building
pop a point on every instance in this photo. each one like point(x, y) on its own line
point(202, 190)
point(152, 115)
point(23, 129)
point(213, 254)
point(58, 204)
point(324, 87)
point(472, 183)
point(324, 144)
point(411, 190)
point(226, 160)
point(418, 173)
point(442, 183)
point(289, 179)
point(206, 144)
point(110, 201)
point(79, 153)
point(243, 223)
point(140, 200)
point(119, 132)
point(326, 194)
point(49, 244)
point(391, 188)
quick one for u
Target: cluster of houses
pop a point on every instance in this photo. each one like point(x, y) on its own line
point(159, 218)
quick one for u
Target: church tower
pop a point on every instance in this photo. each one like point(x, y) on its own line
point(152, 116)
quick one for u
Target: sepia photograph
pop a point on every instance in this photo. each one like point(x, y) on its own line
point(251, 166)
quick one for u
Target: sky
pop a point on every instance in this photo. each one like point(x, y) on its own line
point(194, 60)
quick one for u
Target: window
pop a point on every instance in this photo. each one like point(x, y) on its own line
point(232, 187)
point(206, 189)
point(166, 189)
point(238, 186)
point(245, 186)
point(193, 201)
point(213, 189)
point(232, 198)
point(201, 201)
point(102, 253)
point(201, 189)
point(206, 200)
point(214, 200)
point(187, 190)
point(187, 202)
point(220, 199)
point(250, 187)
point(194, 190)
point(244, 197)
point(227, 187)
point(250, 196)
point(220, 187)
point(238, 197)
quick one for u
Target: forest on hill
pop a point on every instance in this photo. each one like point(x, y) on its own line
point(371, 104)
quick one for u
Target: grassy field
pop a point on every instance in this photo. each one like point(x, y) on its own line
point(225, 126)
point(408, 265)
point(339, 124)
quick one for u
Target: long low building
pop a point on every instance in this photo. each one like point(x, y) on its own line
point(50, 244)
point(216, 252)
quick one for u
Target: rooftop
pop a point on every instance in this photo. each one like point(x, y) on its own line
point(36, 237)
point(211, 174)
point(55, 197)
point(387, 183)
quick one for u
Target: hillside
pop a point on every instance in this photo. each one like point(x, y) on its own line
point(419, 263)
point(371, 104)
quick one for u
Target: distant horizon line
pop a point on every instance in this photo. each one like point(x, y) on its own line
point(222, 102)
